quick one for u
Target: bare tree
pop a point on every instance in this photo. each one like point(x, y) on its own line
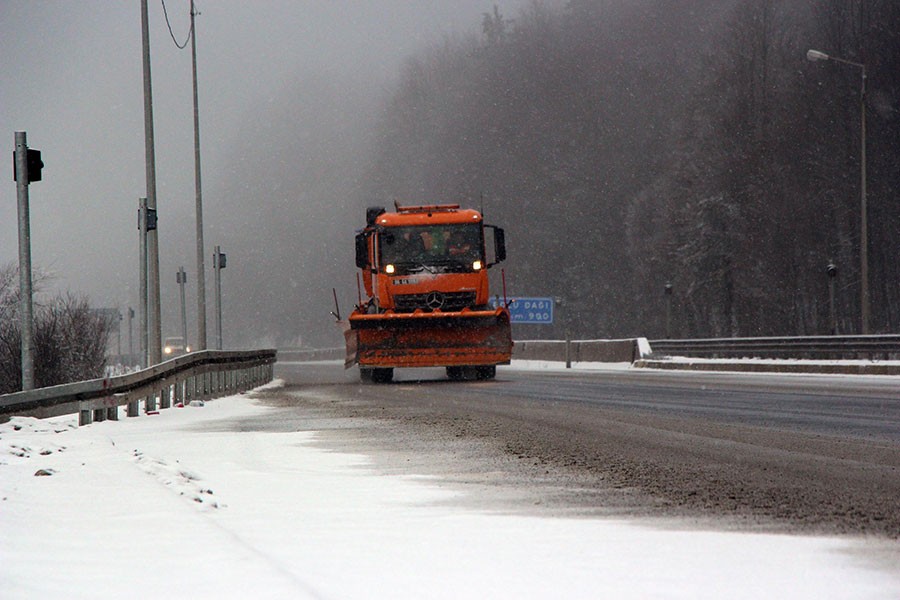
point(70, 339)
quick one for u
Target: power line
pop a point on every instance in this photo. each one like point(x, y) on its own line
point(171, 33)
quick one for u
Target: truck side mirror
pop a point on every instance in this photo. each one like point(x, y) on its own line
point(499, 244)
point(362, 250)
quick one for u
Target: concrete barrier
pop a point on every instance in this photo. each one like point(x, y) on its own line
point(627, 350)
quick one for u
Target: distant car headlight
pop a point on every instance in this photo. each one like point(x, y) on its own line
point(187, 349)
point(168, 349)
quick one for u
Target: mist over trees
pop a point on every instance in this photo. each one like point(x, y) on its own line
point(629, 144)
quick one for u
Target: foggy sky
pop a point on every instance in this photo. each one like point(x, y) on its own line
point(71, 78)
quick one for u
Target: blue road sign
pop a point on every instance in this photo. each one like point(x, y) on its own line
point(535, 311)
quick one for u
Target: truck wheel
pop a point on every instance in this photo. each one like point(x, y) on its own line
point(455, 373)
point(486, 372)
point(382, 375)
point(365, 374)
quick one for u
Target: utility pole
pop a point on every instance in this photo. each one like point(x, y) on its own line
point(181, 278)
point(201, 267)
point(154, 354)
point(27, 169)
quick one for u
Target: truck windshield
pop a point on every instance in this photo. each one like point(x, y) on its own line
point(459, 243)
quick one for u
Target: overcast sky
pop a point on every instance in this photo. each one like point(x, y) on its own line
point(71, 78)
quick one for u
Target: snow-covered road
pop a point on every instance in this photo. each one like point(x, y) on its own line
point(175, 506)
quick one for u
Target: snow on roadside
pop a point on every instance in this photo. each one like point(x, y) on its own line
point(189, 504)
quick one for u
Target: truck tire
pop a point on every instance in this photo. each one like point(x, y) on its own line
point(456, 373)
point(382, 375)
point(376, 374)
point(486, 372)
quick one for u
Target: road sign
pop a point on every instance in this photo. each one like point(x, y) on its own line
point(534, 311)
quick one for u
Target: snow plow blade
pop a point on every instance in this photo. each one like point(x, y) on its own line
point(436, 339)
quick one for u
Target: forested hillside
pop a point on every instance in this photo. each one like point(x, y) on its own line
point(626, 144)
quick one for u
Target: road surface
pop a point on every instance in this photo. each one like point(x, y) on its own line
point(764, 452)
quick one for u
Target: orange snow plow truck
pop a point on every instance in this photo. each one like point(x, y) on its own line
point(424, 269)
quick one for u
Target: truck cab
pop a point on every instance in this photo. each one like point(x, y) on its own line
point(426, 258)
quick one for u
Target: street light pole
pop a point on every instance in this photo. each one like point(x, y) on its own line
point(181, 278)
point(668, 291)
point(831, 271)
point(218, 264)
point(142, 308)
point(815, 55)
point(154, 335)
point(201, 267)
point(130, 345)
point(26, 303)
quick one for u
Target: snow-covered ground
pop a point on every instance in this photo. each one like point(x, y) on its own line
point(183, 505)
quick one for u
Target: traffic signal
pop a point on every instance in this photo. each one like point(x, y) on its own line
point(34, 164)
point(151, 219)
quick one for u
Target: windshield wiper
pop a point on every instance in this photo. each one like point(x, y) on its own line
point(412, 265)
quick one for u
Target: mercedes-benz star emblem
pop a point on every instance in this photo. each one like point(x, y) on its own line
point(434, 300)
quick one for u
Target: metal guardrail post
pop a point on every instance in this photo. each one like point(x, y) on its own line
point(165, 396)
point(85, 417)
point(134, 406)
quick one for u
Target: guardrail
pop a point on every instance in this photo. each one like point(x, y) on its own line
point(196, 376)
point(298, 355)
point(835, 347)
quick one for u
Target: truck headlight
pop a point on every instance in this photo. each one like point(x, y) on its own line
point(389, 269)
point(476, 266)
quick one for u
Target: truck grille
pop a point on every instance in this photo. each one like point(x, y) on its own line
point(445, 301)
